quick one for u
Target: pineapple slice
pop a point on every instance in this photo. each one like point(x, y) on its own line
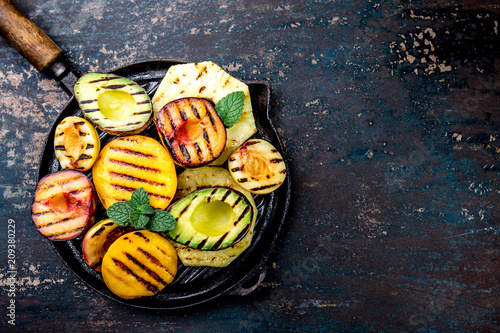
point(207, 80)
point(187, 182)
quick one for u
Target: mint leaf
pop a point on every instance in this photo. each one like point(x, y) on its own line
point(230, 108)
point(161, 221)
point(120, 212)
point(144, 209)
point(140, 221)
point(139, 198)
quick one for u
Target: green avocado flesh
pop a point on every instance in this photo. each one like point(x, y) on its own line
point(114, 104)
point(211, 218)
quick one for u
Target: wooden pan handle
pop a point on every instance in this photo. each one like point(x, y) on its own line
point(28, 39)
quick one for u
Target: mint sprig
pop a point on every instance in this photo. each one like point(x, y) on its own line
point(230, 108)
point(138, 213)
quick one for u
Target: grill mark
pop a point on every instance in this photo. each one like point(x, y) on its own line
point(183, 115)
point(266, 187)
point(131, 152)
point(237, 202)
point(59, 147)
point(170, 119)
point(115, 86)
point(237, 169)
point(143, 102)
point(88, 101)
point(210, 196)
point(139, 113)
point(226, 83)
point(242, 180)
point(150, 257)
point(43, 213)
point(274, 150)
point(60, 183)
point(57, 222)
point(219, 242)
point(225, 196)
point(141, 235)
point(202, 244)
point(150, 272)
point(198, 150)
point(91, 110)
point(136, 179)
point(212, 120)
point(242, 215)
point(185, 208)
point(149, 286)
point(83, 157)
point(276, 160)
point(132, 189)
point(242, 234)
point(82, 133)
point(283, 171)
point(202, 88)
point(209, 144)
point(103, 79)
point(80, 123)
point(135, 166)
point(131, 124)
point(80, 190)
point(99, 231)
point(159, 196)
point(251, 143)
point(89, 146)
point(65, 233)
point(195, 111)
point(185, 152)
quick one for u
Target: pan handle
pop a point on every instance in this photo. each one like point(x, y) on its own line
point(30, 41)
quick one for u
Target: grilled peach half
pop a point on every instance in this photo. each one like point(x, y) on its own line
point(63, 205)
point(192, 131)
point(130, 162)
point(98, 239)
point(139, 263)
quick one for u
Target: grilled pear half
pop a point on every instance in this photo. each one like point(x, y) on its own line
point(128, 163)
point(192, 179)
point(207, 80)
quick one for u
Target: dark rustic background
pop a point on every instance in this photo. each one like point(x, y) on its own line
point(389, 111)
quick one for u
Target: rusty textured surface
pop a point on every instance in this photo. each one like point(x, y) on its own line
point(390, 114)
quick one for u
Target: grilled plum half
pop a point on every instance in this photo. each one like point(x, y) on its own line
point(192, 131)
point(64, 204)
point(139, 263)
point(98, 240)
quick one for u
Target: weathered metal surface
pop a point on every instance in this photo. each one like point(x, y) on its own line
point(390, 115)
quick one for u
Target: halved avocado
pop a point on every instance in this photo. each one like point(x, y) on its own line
point(114, 104)
point(212, 218)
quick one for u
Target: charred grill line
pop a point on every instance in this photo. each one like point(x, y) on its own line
point(283, 171)
point(209, 144)
point(140, 234)
point(251, 143)
point(265, 187)
point(150, 257)
point(219, 242)
point(65, 233)
point(88, 101)
point(212, 120)
point(136, 179)
point(139, 113)
point(43, 213)
point(135, 166)
point(276, 160)
point(242, 233)
point(225, 196)
point(57, 222)
point(83, 157)
point(131, 152)
point(237, 202)
point(80, 190)
point(98, 232)
point(89, 146)
point(202, 88)
point(185, 209)
point(150, 272)
point(143, 102)
point(130, 124)
point(242, 215)
point(116, 86)
point(78, 123)
point(202, 244)
point(237, 169)
point(198, 150)
point(91, 110)
point(195, 111)
point(60, 147)
point(103, 79)
point(183, 115)
point(170, 119)
point(242, 180)
point(185, 152)
point(82, 134)
point(132, 189)
point(123, 267)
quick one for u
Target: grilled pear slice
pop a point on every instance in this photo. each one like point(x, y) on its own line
point(139, 263)
point(207, 80)
point(257, 166)
point(76, 144)
point(128, 163)
point(192, 179)
point(114, 104)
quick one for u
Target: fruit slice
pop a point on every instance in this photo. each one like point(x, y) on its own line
point(63, 205)
point(76, 144)
point(128, 163)
point(192, 131)
point(139, 263)
point(257, 166)
point(98, 240)
point(211, 219)
point(207, 80)
point(116, 105)
point(193, 179)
